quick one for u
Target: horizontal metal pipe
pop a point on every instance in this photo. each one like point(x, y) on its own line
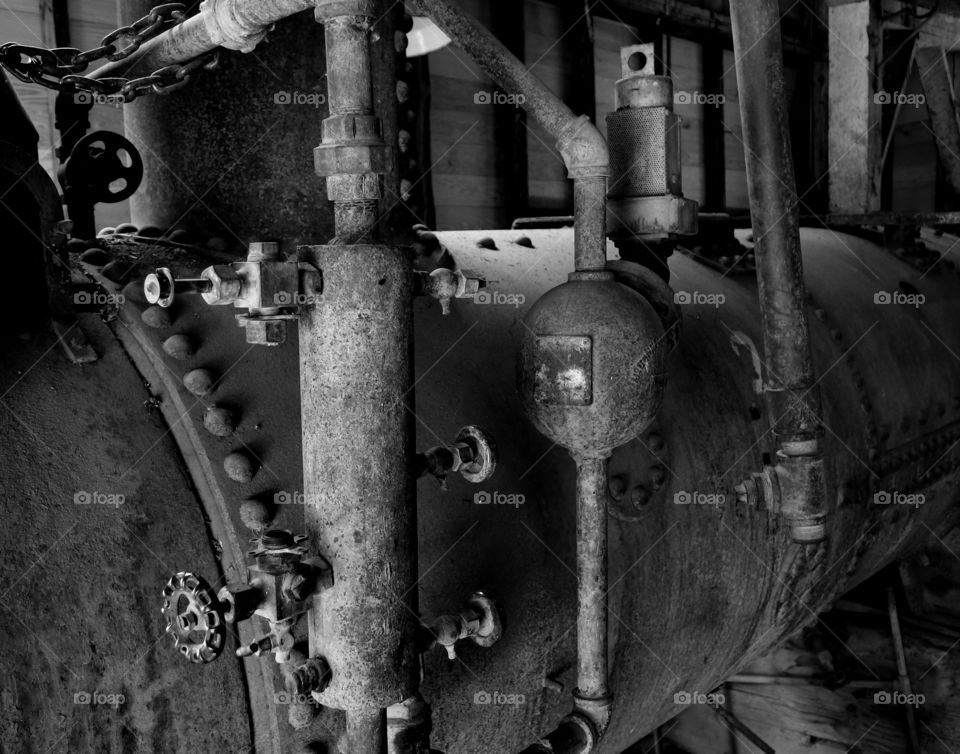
point(234, 24)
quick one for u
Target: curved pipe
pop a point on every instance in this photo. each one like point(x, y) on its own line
point(580, 143)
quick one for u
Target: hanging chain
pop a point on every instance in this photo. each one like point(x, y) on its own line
point(60, 68)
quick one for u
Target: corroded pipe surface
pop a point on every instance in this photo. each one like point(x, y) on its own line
point(202, 33)
point(591, 578)
point(793, 397)
point(355, 385)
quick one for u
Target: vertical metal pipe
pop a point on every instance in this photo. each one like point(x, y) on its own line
point(591, 578)
point(355, 387)
point(793, 398)
point(590, 232)
point(349, 82)
point(354, 179)
point(367, 731)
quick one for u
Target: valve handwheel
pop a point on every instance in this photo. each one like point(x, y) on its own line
point(97, 163)
point(194, 617)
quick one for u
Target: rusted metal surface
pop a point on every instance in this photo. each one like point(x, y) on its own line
point(672, 627)
point(794, 399)
point(592, 676)
point(591, 363)
point(357, 427)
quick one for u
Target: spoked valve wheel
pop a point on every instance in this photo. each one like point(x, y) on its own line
point(194, 618)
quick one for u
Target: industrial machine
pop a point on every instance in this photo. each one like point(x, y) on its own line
point(594, 468)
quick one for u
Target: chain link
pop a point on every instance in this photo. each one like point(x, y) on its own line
point(60, 68)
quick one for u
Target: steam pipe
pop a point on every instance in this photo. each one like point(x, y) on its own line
point(793, 398)
point(775, 217)
point(233, 24)
point(581, 145)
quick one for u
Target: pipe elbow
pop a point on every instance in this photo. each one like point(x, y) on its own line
point(227, 28)
point(583, 148)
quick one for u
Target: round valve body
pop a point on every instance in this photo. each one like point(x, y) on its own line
point(591, 363)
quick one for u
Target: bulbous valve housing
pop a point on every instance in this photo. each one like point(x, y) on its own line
point(591, 364)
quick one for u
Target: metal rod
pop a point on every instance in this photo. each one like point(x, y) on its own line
point(902, 671)
point(591, 578)
point(590, 230)
point(793, 396)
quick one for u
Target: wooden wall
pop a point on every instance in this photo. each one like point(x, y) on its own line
point(467, 190)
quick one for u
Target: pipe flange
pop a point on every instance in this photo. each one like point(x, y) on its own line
point(193, 615)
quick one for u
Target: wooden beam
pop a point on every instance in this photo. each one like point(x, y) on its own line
point(941, 106)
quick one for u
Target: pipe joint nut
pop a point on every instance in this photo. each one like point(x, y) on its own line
point(351, 159)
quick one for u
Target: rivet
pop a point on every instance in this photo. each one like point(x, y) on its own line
point(639, 496)
point(655, 442)
point(657, 476)
point(617, 487)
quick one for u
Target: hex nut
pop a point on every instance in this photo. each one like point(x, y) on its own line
point(350, 159)
point(178, 346)
point(225, 284)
